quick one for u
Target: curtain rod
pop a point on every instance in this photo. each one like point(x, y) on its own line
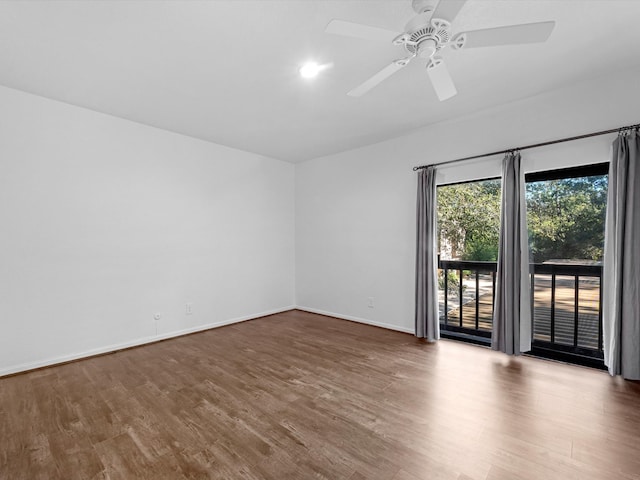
point(552, 142)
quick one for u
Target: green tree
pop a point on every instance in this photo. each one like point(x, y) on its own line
point(566, 218)
point(469, 219)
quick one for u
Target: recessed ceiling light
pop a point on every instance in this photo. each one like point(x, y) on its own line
point(310, 70)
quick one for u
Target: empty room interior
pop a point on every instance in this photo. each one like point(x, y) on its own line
point(320, 239)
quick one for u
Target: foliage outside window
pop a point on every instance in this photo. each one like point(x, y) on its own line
point(469, 220)
point(565, 218)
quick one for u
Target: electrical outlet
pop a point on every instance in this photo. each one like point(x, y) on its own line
point(157, 316)
point(371, 303)
point(188, 308)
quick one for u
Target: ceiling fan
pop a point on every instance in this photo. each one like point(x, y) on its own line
point(426, 34)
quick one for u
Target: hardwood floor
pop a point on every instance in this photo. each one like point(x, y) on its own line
point(298, 396)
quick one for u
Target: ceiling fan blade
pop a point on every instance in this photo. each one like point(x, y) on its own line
point(441, 79)
point(358, 30)
point(510, 35)
point(448, 9)
point(382, 75)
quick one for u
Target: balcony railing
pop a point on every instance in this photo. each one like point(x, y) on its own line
point(566, 305)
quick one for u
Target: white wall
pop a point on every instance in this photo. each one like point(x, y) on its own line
point(355, 211)
point(105, 222)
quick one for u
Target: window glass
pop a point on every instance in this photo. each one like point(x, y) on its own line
point(566, 219)
point(469, 220)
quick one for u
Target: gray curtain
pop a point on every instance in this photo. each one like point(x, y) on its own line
point(511, 332)
point(427, 321)
point(621, 271)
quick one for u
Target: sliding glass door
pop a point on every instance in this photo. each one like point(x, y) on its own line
point(566, 216)
point(565, 213)
point(468, 233)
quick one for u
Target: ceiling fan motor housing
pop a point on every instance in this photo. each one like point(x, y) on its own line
point(426, 36)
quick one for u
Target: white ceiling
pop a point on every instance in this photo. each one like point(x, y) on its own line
point(227, 70)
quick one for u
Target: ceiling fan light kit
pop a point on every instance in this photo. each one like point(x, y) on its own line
point(428, 33)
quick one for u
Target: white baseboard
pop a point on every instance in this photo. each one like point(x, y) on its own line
point(134, 343)
point(388, 326)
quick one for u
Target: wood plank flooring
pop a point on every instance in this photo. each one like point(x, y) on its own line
point(301, 396)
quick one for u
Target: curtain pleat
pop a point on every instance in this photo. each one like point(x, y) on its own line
point(511, 331)
point(621, 263)
point(426, 314)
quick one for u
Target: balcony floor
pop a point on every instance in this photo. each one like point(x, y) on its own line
point(588, 303)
